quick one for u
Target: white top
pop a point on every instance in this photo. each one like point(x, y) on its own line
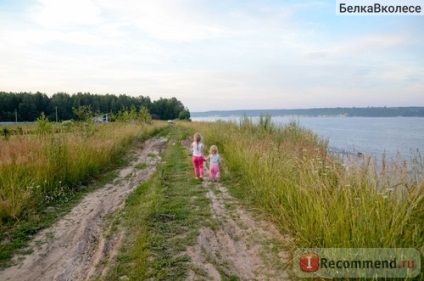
point(214, 159)
point(197, 149)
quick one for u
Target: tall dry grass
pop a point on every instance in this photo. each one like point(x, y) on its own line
point(320, 200)
point(37, 168)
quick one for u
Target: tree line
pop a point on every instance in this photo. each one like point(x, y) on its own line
point(29, 106)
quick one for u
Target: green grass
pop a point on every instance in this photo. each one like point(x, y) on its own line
point(15, 233)
point(37, 169)
point(161, 219)
point(288, 173)
point(14, 236)
point(141, 166)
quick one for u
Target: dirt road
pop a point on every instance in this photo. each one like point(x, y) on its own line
point(79, 244)
point(236, 244)
point(241, 246)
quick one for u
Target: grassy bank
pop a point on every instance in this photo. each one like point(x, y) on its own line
point(313, 197)
point(42, 171)
point(161, 218)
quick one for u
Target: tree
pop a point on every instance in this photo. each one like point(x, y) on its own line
point(184, 115)
point(43, 125)
point(29, 106)
point(27, 109)
point(83, 112)
point(167, 108)
point(63, 102)
point(144, 115)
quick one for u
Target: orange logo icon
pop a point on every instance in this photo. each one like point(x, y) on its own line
point(309, 262)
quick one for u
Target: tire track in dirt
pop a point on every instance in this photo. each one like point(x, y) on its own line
point(77, 247)
point(241, 246)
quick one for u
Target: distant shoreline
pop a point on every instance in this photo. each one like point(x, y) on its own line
point(320, 112)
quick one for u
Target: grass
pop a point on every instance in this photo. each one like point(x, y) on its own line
point(141, 166)
point(162, 217)
point(43, 176)
point(37, 169)
point(288, 173)
point(312, 196)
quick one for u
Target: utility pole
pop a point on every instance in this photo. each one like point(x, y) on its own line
point(16, 116)
point(56, 114)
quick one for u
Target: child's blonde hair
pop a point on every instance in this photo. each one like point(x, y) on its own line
point(213, 148)
point(197, 137)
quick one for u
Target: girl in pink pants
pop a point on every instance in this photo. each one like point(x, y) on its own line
point(197, 147)
point(214, 163)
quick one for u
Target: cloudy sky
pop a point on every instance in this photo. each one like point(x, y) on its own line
point(213, 54)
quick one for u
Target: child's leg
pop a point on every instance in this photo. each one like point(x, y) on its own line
point(214, 172)
point(211, 173)
point(201, 171)
point(196, 166)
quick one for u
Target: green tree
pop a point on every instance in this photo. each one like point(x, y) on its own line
point(83, 112)
point(184, 115)
point(27, 109)
point(29, 106)
point(63, 103)
point(144, 115)
point(44, 127)
point(167, 108)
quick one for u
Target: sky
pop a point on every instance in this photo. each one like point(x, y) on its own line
point(213, 54)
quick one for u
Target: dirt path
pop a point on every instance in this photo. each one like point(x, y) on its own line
point(240, 246)
point(79, 245)
point(236, 246)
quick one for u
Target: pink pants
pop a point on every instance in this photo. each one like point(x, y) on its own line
point(213, 172)
point(198, 166)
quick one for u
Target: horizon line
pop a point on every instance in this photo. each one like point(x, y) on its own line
point(310, 108)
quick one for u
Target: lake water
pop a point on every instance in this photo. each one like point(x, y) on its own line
point(392, 136)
